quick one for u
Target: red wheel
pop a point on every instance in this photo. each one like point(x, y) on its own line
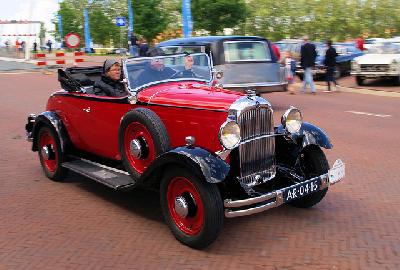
point(192, 208)
point(142, 138)
point(139, 146)
point(185, 206)
point(50, 155)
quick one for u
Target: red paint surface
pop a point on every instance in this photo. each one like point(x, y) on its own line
point(185, 109)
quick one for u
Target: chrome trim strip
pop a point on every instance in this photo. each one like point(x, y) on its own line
point(233, 85)
point(259, 137)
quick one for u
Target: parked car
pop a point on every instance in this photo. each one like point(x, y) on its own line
point(381, 61)
point(346, 53)
point(371, 42)
point(246, 62)
point(211, 153)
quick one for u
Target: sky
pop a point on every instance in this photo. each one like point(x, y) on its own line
point(35, 10)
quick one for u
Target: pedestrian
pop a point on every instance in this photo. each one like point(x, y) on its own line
point(330, 64)
point(290, 70)
point(133, 45)
point(276, 51)
point(34, 47)
point(22, 48)
point(308, 55)
point(144, 47)
point(360, 43)
point(49, 43)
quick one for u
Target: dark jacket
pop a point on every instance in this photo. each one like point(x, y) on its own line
point(109, 87)
point(330, 57)
point(308, 55)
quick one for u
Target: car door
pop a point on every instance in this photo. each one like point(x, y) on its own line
point(97, 119)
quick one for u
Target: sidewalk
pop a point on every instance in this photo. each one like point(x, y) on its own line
point(12, 64)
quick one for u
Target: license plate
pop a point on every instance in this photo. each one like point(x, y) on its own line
point(301, 190)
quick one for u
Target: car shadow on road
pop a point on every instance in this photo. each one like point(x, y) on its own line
point(138, 201)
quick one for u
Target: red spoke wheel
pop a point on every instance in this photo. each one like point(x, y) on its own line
point(142, 138)
point(192, 208)
point(49, 150)
point(139, 146)
point(185, 206)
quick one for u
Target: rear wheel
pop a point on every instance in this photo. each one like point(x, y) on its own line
point(313, 163)
point(50, 155)
point(192, 208)
point(142, 137)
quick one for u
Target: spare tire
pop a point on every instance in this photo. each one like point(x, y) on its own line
point(142, 138)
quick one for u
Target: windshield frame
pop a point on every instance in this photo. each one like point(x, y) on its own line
point(136, 90)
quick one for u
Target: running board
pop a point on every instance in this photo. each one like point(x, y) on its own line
point(111, 177)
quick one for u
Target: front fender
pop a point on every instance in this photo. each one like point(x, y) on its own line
point(309, 134)
point(196, 159)
point(51, 119)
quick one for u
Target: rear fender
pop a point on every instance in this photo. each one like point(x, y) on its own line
point(197, 160)
point(50, 119)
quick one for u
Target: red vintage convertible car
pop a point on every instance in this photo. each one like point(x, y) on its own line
point(212, 153)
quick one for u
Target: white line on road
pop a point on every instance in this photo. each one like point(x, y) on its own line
point(370, 114)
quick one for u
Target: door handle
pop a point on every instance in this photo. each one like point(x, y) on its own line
point(87, 109)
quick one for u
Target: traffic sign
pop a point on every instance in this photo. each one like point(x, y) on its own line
point(120, 21)
point(72, 40)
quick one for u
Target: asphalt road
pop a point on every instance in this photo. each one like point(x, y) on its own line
point(79, 224)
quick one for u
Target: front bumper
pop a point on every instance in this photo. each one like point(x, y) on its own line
point(237, 208)
point(259, 88)
point(376, 74)
point(29, 127)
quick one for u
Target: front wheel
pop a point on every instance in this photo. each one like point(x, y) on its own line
point(192, 208)
point(313, 163)
point(360, 80)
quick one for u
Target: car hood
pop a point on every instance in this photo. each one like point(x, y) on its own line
point(189, 95)
point(377, 58)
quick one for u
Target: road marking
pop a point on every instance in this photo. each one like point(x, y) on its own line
point(370, 114)
point(17, 73)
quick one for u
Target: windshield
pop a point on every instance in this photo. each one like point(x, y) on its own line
point(246, 51)
point(385, 49)
point(150, 70)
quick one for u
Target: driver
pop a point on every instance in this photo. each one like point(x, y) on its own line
point(110, 84)
point(158, 72)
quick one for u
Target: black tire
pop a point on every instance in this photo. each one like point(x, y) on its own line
point(50, 162)
point(158, 143)
point(396, 81)
point(359, 80)
point(208, 196)
point(314, 163)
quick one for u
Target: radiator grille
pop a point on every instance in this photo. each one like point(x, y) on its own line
point(375, 68)
point(257, 149)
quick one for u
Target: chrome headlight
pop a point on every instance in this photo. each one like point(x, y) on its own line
point(229, 134)
point(292, 120)
point(354, 65)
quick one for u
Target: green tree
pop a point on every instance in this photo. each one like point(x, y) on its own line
point(151, 18)
point(216, 15)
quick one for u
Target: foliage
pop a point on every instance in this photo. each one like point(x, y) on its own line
point(320, 19)
point(216, 15)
